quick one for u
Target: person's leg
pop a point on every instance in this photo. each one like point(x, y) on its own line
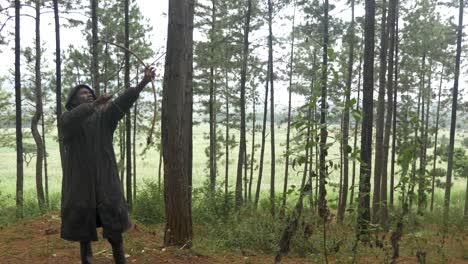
point(116, 242)
point(86, 252)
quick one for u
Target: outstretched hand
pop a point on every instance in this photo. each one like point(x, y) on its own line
point(150, 74)
point(102, 99)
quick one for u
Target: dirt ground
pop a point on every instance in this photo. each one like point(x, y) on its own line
point(38, 241)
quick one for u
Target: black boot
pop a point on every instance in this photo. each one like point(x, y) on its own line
point(86, 252)
point(117, 248)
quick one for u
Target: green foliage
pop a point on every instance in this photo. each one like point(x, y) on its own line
point(148, 207)
point(211, 207)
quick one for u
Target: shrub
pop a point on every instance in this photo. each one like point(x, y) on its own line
point(149, 204)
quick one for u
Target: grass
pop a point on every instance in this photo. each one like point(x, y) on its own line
point(147, 169)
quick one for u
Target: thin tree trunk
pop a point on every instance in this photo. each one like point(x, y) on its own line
point(19, 132)
point(135, 109)
point(58, 79)
point(388, 120)
point(94, 48)
point(212, 157)
point(272, 109)
point(128, 121)
point(322, 204)
point(344, 194)
point(226, 166)
point(436, 137)
point(394, 126)
point(379, 134)
point(448, 182)
point(252, 155)
point(242, 146)
point(363, 218)
point(353, 178)
point(422, 162)
point(46, 175)
point(38, 113)
point(288, 129)
point(262, 149)
point(422, 203)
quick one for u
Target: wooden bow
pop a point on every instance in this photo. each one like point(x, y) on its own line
point(149, 139)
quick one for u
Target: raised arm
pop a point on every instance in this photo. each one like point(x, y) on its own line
point(117, 108)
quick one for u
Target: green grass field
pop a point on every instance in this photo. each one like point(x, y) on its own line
point(147, 167)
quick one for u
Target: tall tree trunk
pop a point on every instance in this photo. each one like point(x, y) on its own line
point(388, 117)
point(252, 155)
point(242, 145)
point(58, 79)
point(18, 112)
point(272, 108)
point(288, 129)
point(353, 177)
point(422, 201)
point(379, 134)
point(94, 48)
point(394, 125)
point(37, 115)
point(226, 166)
point(135, 109)
point(344, 194)
point(363, 218)
point(128, 120)
point(212, 157)
point(422, 163)
point(176, 124)
point(436, 137)
point(448, 182)
point(262, 149)
point(188, 106)
point(322, 204)
point(46, 175)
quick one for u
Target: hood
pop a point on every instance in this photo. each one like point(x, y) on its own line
point(72, 93)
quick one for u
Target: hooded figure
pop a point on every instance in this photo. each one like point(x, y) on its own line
point(92, 194)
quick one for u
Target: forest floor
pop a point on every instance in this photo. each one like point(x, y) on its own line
point(38, 241)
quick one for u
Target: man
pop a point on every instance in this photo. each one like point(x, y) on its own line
point(92, 194)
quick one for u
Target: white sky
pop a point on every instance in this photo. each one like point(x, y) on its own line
point(155, 11)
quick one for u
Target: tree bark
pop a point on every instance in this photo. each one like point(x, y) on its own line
point(176, 124)
point(272, 109)
point(436, 137)
point(389, 115)
point(353, 178)
point(379, 155)
point(262, 149)
point(288, 129)
point(58, 79)
point(448, 182)
point(128, 120)
point(94, 48)
point(344, 193)
point(18, 112)
point(226, 166)
point(38, 113)
point(46, 175)
point(394, 125)
point(363, 218)
point(252, 155)
point(242, 145)
point(212, 157)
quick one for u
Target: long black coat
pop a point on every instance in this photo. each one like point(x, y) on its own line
point(92, 194)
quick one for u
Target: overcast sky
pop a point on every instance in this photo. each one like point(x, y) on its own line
point(155, 11)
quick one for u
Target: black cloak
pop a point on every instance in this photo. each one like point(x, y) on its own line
point(92, 195)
